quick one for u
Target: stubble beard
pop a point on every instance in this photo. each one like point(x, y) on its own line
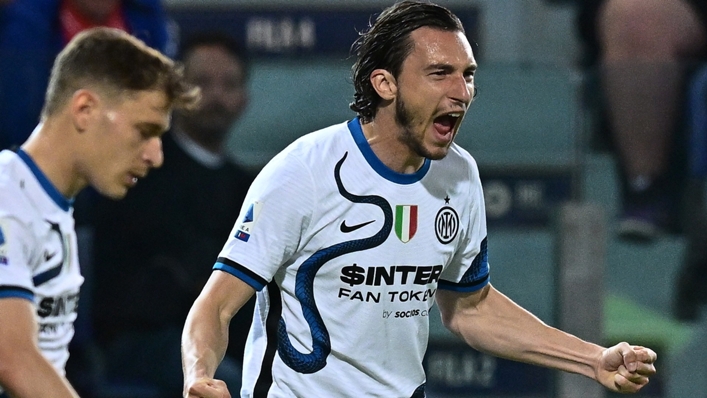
point(404, 118)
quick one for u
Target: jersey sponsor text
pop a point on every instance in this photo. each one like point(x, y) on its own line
point(55, 306)
point(395, 274)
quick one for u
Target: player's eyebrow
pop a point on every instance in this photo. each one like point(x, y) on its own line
point(444, 67)
point(449, 68)
point(152, 128)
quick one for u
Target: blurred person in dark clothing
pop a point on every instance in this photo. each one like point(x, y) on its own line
point(154, 251)
point(643, 51)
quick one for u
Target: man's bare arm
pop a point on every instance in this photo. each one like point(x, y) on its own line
point(205, 336)
point(489, 321)
point(21, 362)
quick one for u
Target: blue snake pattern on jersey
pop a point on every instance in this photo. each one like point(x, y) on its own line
point(304, 286)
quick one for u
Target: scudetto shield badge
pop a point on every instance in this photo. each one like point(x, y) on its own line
point(405, 222)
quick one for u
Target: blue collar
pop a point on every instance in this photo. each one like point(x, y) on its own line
point(49, 188)
point(380, 168)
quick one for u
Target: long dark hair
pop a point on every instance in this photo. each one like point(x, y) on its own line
point(386, 44)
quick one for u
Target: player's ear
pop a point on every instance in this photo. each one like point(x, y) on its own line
point(384, 83)
point(83, 108)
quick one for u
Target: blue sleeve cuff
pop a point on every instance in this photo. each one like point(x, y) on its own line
point(465, 287)
point(16, 292)
point(240, 272)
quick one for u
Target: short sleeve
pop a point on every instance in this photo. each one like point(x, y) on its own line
point(275, 213)
point(16, 245)
point(469, 268)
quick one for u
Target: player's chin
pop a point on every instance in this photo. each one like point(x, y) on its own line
point(113, 191)
point(437, 152)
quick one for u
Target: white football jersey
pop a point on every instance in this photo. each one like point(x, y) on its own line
point(346, 256)
point(38, 257)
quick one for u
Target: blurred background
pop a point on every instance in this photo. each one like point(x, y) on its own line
point(552, 185)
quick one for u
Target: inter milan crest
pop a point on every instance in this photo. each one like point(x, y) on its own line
point(405, 222)
point(446, 224)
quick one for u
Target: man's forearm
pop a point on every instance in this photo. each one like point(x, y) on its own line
point(204, 342)
point(20, 378)
point(500, 327)
point(24, 371)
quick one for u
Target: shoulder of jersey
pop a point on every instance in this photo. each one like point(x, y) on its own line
point(319, 142)
point(14, 199)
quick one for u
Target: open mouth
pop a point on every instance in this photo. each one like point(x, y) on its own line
point(445, 125)
point(133, 178)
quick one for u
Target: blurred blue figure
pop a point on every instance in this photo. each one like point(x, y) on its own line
point(32, 32)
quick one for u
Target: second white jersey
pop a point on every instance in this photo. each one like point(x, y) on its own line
point(38, 256)
point(347, 256)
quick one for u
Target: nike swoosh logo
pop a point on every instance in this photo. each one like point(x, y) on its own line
point(49, 256)
point(350, 228)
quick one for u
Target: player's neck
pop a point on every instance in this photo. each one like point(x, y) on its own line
point(54, 156)
point(383, 136)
